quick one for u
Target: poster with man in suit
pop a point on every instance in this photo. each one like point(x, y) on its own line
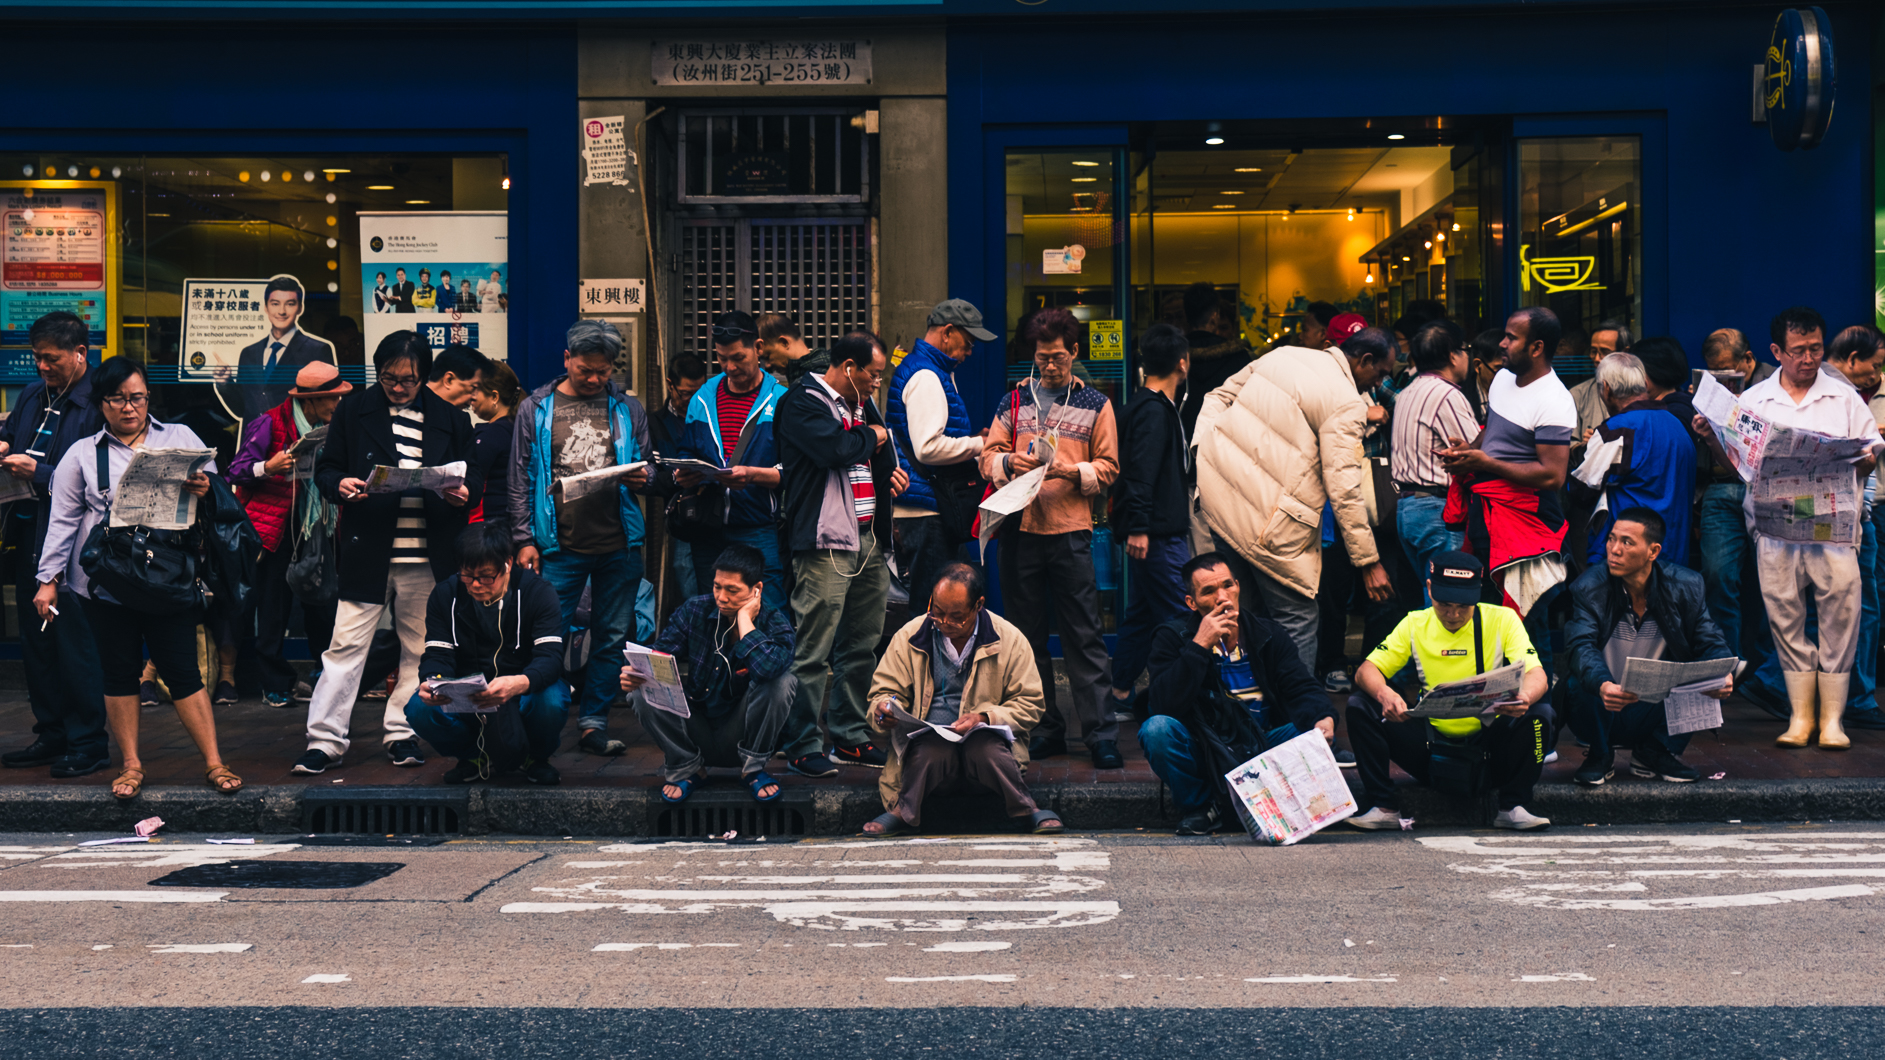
point(246, 337)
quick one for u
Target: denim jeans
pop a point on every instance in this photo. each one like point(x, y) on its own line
point(763, 538)
point(1724, 552)
point(1157, 597)
point(1865, 662)
point(1604, 729)
point(456, 735)
point(1424, 535)
point(1168, 746)
point(614, 580)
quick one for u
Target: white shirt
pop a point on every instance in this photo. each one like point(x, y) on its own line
point(949, 648)
point(78, 503)
point(1830, 407)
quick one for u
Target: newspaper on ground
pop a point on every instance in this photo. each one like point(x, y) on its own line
point(576, 487)
point(704, 469)
point(1652, 679)
point(15, 489)
point(438, 479)
point(150, 492)
point(661, 677)
point(1291, 791)
point(1472, 696)
point(904, 726)
point(1016, 495)
point(458, 693)
point(1689, 708)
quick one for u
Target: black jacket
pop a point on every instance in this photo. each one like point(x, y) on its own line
point(1214, 359)
point(529, 625)
point(78, 419)
point(1677, 601)
point(1150, 490)
point(360, 437)
point(812, 446)
point(1185, 677)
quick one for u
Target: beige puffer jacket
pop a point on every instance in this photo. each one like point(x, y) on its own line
point(1275, 442)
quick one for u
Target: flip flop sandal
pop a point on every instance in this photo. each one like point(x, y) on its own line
point(1041, 827)
point(761, 779)
point(133, 777)
point(687, 786)
point(892, 825)
point(219, 779)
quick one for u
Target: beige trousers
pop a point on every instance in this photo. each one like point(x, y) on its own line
point(1830, 573)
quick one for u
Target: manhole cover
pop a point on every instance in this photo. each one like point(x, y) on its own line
point(287, 875)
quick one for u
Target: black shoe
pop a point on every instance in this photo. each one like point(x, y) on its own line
point(1199, 822)
point(813, 765)
point(1046, 747)
point(405, 753)
point(79, 764)
point(542, 773)
point(148, 698)
point(1596, 769)
point(868, 755)
point(314, 762)
point(597, 742)
point(1652, 760)
point(1106, 755)
point(278, 700)
point(1345, 759)
point(225, 694)
point(40, 753)
point(467, 771)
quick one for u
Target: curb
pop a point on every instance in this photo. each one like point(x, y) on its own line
point(831, 811)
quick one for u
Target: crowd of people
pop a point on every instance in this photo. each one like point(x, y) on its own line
point(1448, 490)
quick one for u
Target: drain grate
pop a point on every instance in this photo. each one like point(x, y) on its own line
point(717, 813)
point(285, 875)
point(383, 811)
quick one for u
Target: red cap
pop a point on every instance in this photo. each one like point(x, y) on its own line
point(1345, 326)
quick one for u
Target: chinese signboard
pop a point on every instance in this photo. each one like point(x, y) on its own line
point(804, 61)
point(58, 251)
point(613, 296)
point(1106, 340)
point(445, 275)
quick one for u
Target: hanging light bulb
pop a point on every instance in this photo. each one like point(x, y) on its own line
point(1368, 278)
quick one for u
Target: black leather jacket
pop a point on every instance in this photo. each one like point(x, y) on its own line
point(1677, 601)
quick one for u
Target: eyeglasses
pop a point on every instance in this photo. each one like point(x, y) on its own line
point(128, 401)
point(481, 578)
point(721, 334)
point(399, 382)
point(942, 619)
point(1053, 358)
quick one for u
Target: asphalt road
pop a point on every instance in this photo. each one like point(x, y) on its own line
point(1727, 940)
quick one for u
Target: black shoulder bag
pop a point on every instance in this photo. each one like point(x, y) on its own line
point(144, 569)
point(1457, 764)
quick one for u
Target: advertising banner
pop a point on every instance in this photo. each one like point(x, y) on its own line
point(245, 337)
point(58, 251)
point(445, 275)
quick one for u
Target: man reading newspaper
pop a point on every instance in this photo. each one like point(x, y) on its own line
point(1454, 639)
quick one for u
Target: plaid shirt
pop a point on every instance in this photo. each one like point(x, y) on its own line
point(691, 633)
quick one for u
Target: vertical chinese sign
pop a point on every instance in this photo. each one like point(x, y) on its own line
point(61, 251)
point(445, 275)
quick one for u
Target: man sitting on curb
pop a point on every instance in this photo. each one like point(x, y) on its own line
point(1225, 685)
point(960, 666)
point(1634, 606)
point(502, 621)
point(739, 681)
point(1452, 640)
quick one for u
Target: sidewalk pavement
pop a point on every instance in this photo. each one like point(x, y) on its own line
point(619, 795)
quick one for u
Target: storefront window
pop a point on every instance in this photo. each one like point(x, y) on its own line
point(1580, 230)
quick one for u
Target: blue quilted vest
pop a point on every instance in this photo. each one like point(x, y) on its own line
point(924, 356)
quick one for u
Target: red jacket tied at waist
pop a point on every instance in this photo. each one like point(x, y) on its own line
point(1514, 532)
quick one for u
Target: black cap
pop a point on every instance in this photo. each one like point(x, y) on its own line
point(963, 315)
point(1455, 578)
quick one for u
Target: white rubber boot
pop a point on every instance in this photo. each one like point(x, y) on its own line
point(1833, 689)
point(1801, 690)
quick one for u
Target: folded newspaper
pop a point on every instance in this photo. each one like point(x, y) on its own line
point(1652, 679)
point(1016, 495)
point(309, 442)
point(458, 693)
point(661, 677)
point(575, 487)
point(683, 463)
point(905, 725)
point(1291, 791)
point(1690, 708)
point(15, 489)
point(438, 479)
point(1471, 697)
point(150, 492)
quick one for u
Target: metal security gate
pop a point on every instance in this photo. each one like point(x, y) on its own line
point(815, 269)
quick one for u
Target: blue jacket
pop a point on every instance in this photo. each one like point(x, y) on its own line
point(533, 512)
point(1660, 477)
point(924, 358)
point(751, 507)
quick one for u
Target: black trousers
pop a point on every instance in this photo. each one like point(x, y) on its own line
point(124, 634)
point(1515, 751)
point(1051, 575)
point(924, 548)
point(1340, 593)
point(62, 673)
point(274, 604)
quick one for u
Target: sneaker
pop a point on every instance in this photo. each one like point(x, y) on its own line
point(542, 773)
point(225, 694)
point(597, 742)
point(813, 765)
point(148, 697)
point(1337, 681)
point(867, 755)
point(405, 752)
point(38, 753)
point(304, 690)
point(1596, 769)
point(1519, 819)
point(79, 764)
point(1345, 759)
point(1550, 757)
point(279, 700)
point(467, 770)
point(1376, 819)
point(1199, 822)
point(381, 693)
point(314, 762)
point(1652, 761)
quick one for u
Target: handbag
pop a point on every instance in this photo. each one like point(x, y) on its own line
point(1014, 414)
point(314, 570)
point(144, 569)
point(1378, 492)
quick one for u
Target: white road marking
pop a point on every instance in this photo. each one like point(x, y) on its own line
point(1561, 977)
point(166, 855)
point(626, 947)
point(29, 853)
point(206, 947)
point(113, 896)
point(106, 946)
point(848, 916)
point(960, 947)
point(1319, 979)
point(950, 979)
point(325, 977)
point(16, 946)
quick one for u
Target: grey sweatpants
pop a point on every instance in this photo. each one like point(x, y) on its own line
point(743, 738)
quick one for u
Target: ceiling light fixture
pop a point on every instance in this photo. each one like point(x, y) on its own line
point(418, 202)
point(1368, 278)
point(379, 187)
point(505, 183)
point(243, 176)
point(1224, 206)
point(1439, 237)
point(1086, 163)
point(1230, 192)
point(332, 198)
point(1248, 169)
point(1406, 258)
point(1456, 226)
point(1214, 140)
point(265, 176)
point(1396, 136)
point(337, 171)
point(1084, 180)
point(116, 172)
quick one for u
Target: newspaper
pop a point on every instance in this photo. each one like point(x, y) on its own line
point(906, 726)
point(15, 489)
point(1689, 708)
point(705, 470)
point(1806, 489)
point(1016, 495)
point(1291, 791)
point(1652, 679)
point(150, 492)
point(1472, 697)
point(305, 449)
point(576, 487)
point(661, 674)
point(385, 479)
point(1741, 434)
point(458, 693)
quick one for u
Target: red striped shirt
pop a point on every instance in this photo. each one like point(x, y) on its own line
point(734, 408)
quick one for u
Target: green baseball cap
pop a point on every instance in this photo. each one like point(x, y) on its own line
point(963, 315)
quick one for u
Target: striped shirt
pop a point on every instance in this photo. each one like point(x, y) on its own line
point(863, 487)
point(1428, 414)
point(1632, 639)
point(409, 439)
